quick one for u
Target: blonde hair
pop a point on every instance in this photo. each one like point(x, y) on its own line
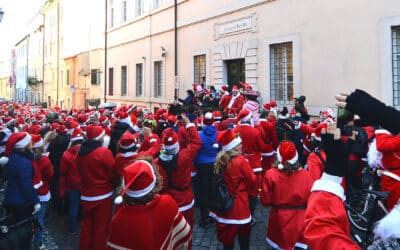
point(223, 159)
point(49, 136)
point(39, 150)
point(290, 168)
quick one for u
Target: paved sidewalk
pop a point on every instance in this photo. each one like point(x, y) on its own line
point(206, 239)
point(56, 236)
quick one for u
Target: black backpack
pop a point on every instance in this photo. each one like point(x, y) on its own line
point(219, 199)
point(285, 130)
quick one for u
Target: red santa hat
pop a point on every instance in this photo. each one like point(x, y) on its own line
point(76, 135)
point(95, 132)
point(273, 104)
point(103, 119)
point(128, 140)
point(123, 117)
point(170, 140)
point(317, 134)
point(266, 106)
point(286, 153)
point(83, 119)
point(224, 88)
point(228, 140)
point(37, 141)
point(172, 119)
point(8, 120)
point(208, 119)
point(235, 88)
point(139, 180)
point(217, 115)
point(244, 115)
point(246, 86)
point(17, 140)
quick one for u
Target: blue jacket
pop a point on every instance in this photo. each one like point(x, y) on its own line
point(207, 152)
point(19, 173)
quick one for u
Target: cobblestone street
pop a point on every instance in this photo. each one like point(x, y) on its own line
point(57, 237)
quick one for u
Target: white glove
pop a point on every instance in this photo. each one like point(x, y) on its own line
point(36, 208)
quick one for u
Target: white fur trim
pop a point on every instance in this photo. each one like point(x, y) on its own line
point(186, 207)
point(230, 221)
point(301, 245)
point(190, 125)
point(389, 174)
point(232, 144)
point(38, 144)
point(298, 125)
point(331, 184)
point(273, 244)
point(282, 117)
point(3, 160)
point(144, 191)
point(128, 146)
point(38, 185)
point(291, 161)
point(171, 147)
point(24, 142)
point(266, 154)
point(76, 138)
point(280, 166)
point(382, 131)
point(257, 170)
point(106, 141)
point(126, 120)
point(246, 118)
point(374, 156)
point(128, 154)
point(388, 227)
point(101, 135)
point(97, 197)
point(46, 197)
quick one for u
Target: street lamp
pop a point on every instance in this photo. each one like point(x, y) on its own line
point(1, 14)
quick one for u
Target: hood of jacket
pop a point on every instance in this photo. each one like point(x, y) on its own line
point(252, 106)
point(88, 146)
point(209, 130)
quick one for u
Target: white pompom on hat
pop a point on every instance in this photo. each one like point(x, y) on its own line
point(286, 153)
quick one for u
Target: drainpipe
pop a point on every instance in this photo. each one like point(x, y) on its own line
point(105, 52)
point(43, 51)
point(58, 50)
point(176, 44)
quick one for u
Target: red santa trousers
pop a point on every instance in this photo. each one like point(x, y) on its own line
point(95, 224)
point(226, 233)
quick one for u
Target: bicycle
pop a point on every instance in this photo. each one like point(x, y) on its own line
point(365, 207)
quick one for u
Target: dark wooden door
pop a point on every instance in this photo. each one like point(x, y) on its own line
point(236, 72)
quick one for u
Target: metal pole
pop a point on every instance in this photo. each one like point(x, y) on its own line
point(176, 44)
point(58, 49)
point(43, 51)
point(105, 52)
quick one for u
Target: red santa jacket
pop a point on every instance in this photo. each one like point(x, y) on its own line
point(252, 145)
point(314, 164)
point(240, 177)
point(43, 166)
point(236, 102)
point(97, 168)
point(225, 123)
point(225, 99)
point(288, 195)
point(180, 185)
point(154, 226)
point(151, 145)
point(326, 223)
point(389, 146)
point(70, 177)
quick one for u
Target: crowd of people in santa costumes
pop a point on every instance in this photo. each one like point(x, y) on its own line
point(161, 165)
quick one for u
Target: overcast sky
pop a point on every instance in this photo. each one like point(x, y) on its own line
point(13, 26)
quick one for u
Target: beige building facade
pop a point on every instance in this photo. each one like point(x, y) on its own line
point(283, 48)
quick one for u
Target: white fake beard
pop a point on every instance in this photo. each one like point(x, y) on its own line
point(388, 227)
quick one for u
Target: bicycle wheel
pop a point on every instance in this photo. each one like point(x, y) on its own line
point(361, 205)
